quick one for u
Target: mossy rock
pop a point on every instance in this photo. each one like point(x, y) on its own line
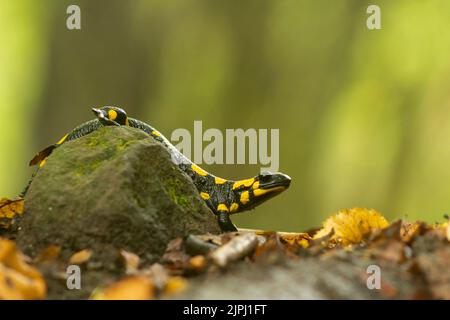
point(116, 188)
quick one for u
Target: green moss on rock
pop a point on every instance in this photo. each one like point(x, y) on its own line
point(113, 189)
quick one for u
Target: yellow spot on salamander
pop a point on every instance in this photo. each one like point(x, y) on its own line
point(222, 207)
point(260, 192)
point(234, 207)
point(245, 183)
point(245, 197)
point(62, 139)
point(156, 133)
point(127, 123)
point(204, 195)
point(112, 115)
point(199, 170)
point(42, 163)
point(219, 180)
point(256, 185)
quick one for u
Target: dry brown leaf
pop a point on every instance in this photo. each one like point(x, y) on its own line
point(215, 239)
point(130, 261)
point(158, 274)
point(18, 280)
point(49, 254)
point(294, 238)
point(271, 244)
point(81, 257)
point(409, 230)
point(130, 288)
point(9, 210)
point(351, 225)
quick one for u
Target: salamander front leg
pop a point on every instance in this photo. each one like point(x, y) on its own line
point(225, 222)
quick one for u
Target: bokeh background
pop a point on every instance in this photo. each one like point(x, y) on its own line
point(364, 116)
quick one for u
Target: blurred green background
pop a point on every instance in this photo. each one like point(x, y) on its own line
point(364, 116)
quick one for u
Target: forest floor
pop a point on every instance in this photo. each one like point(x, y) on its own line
point(357, 254)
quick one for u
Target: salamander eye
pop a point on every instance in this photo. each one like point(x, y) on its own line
point(112, 114)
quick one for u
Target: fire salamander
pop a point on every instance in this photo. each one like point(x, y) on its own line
point(222, 196)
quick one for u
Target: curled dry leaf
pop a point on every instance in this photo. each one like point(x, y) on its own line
point(271, 244)
point(158, 274)
point(163, 283)
point(130, 261)
point(18, 280)
point(294, 238)
point(175, 259)
point(9, 210)
point(351, 225)
point(409, 230)
point(49, 254)
point(81, 257)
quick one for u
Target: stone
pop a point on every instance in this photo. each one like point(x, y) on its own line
point(113, 189)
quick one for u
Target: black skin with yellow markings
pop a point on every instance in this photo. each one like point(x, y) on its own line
point(222, 196)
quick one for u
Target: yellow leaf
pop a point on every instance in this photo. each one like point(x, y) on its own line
point(351, 225)
point(409, 230)
point(9, 210)
point(80, 257)
point(174, 285)
point(18, 280)
point(129, 288)
point(198, 262)
point(294, 238)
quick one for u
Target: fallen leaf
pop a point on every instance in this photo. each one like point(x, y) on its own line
point(215, 239)
point(409, 230)
point(49, 254)
point(198, 263)
point(158, 274)
point(293, 238)
point(9, 210)
point(175, 259)
point(174, 285)
point(271, 244)
point(80, 257)
point(130, 261)
point(130, 288)
point(351, 225)
point(18, 280)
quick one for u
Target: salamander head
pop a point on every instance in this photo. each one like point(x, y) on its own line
point(254, 191)
point(111, 116)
